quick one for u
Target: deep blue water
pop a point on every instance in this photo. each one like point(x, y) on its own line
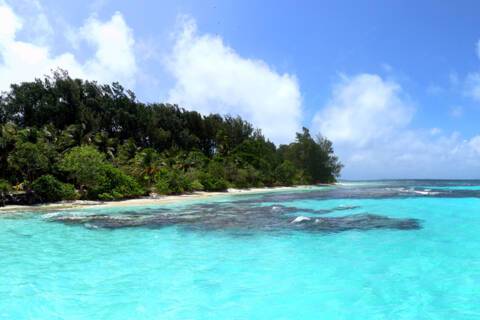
point(371, 250)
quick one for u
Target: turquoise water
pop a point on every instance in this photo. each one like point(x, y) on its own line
point(52, 270)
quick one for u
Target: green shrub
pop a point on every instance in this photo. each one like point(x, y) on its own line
point(162, 186)
point(84, 165)
point(50, 189)
point(285, 173)
point(246, 178)
point(301, 178)
point(30, 160)
point(197, 185)
point(114, 184)
point(213, 179)
point(87, 167)
point(172, 181)
point(216, 169)
point(193, 175)
point(212, 183)
point(5, 186)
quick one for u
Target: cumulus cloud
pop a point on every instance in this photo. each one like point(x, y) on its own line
point(362, 109)
point(114, 43)
point(21, 60)
point(211, 77)
point(369, 120)
point(34, 15)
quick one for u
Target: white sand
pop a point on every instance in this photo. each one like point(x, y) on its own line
point(153, 200)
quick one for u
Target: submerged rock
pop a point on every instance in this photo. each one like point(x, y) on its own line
point(238, 217)
point(363, 222)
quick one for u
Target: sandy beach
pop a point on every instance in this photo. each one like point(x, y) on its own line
point(151, 200)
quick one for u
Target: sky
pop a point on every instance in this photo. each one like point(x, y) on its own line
point(394, 84)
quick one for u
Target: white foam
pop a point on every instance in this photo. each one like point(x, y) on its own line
point(426, 192)
point(301, 219)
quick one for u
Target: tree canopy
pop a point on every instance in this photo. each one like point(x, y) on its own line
point(107, 144)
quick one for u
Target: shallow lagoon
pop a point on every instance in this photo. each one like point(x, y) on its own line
point(56, 270)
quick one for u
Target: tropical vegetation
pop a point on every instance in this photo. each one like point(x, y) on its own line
point(65, 138)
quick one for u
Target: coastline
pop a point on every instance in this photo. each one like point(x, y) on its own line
point(151, 200)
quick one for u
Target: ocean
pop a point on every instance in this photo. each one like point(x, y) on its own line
point(406, 249)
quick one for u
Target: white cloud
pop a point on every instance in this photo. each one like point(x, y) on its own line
point(474, 143)
point(363, 109)
point(369, 121)
point(114, 43)
point(211, 77)
point(21, 60)
point(9, 24)
point(35, 17)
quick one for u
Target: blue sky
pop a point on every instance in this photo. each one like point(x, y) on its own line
point(394, 84)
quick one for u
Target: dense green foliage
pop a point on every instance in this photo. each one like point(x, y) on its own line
point(99, 138)
point(49, 188)
point(5, 187)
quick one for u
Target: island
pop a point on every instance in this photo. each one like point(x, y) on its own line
point(65, 139)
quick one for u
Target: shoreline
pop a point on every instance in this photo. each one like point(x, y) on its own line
point(151, 200)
